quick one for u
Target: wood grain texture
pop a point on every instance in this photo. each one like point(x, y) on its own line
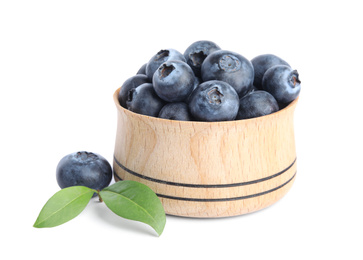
point(202, 169)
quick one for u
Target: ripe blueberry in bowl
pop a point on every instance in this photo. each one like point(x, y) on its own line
point(282, 82)
point(255, 104)
point(161, 57)
point(229, 67)
point(143, 100)
point(142, 69)
point(197, 81)
point(262, 63)
point(173, 81)
point(196, 53)
point(214, 101)
point(84, 169)
point(131, 83)
point(176, 111)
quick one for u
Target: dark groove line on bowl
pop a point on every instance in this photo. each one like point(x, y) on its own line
point(223, 199)
point(200, 185)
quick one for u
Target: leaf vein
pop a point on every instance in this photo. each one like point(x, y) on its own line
point(154, 220)
point(60, 209)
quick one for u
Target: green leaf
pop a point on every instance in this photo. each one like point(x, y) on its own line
point(135, 201)
point(63, 206)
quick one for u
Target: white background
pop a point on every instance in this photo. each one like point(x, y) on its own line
point(61, 61)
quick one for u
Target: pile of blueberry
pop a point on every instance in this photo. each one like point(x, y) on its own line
point(207, 83)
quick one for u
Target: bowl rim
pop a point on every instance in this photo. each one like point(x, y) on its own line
point(164, 120)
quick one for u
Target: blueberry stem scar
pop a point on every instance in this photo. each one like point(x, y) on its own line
point(165, 70)
point(197, 58)
point(215, 96)
point(161, 54)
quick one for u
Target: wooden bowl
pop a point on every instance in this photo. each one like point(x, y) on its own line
point(207, 170)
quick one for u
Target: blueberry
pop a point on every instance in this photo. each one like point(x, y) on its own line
point(254, 88)
point(161, 57)
point(173, 81)
point(176, 111)
point(142, 69)
point(84, 169)
point(131, 83)
point(229, 67)
point(255, 104)
point(143, 100)
point(282, 82)
point(214, 101)
point(262, 63)
point(196, 53)
point(197, 81)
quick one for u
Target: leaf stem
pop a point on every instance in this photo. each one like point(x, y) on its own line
point(99, 196)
